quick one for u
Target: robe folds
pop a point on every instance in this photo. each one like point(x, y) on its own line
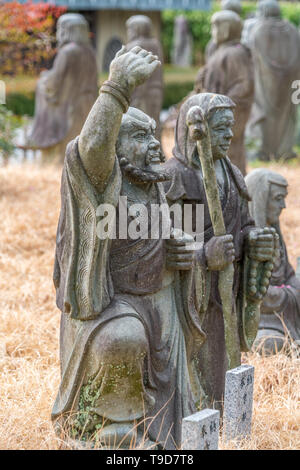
point(90, 294)
point(64, 97)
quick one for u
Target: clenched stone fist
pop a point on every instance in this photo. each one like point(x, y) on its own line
point(131, 69)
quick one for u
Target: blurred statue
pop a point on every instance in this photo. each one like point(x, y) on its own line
point(149, 96)
point(131, 310)
point(275, 46)
point(238, 257)
point(66, 93)
point(231, 5)
point(280, 309)
point(229, 71)
point(182, 43)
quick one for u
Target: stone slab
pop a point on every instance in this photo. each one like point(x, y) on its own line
point(200, 431)
point(238, 402)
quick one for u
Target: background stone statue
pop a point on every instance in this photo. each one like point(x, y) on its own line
point(243, 245)
point(131, 309)
point(280, 309)
point(149, 96)
point(275, 46)
point(229, 71)
point(182, 49)
point(231, 5)
point(66, 93)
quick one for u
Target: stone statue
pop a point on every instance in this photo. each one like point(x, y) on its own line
point(182, 43)
point(247, 251)
point(66, 93)
point(275, 46)
point(131, 307)
point(229, 71)
point(149, 96)
point(280, 309)
point(231, 5)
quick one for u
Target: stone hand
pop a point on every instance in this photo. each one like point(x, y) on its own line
point(130, 69)
point(262, 244)
point(180, 251)
point(219, 252)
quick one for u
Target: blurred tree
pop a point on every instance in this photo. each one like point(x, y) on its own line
point(27, 40)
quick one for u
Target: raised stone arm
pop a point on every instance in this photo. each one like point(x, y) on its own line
point(99, 134)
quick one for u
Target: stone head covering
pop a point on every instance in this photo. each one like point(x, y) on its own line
point(234, 20)
point(141, 25)
point(233, 5)
point(268, 8)
point(208, 102)
point(258, 184)
point(72, 27)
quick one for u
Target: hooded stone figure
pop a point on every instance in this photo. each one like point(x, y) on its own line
point(66, 93)
point(149, 96)
point(280, 309)
point(229, 71)
point(275, 46)
point(187, 187)
point(231, 5)
point(131, 304)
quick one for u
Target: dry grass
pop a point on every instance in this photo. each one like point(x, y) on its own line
point(29, 320)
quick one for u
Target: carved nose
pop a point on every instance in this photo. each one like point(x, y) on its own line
point(154, 145)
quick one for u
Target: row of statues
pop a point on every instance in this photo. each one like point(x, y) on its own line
point(150, 325)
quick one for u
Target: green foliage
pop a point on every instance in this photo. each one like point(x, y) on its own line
point(199, 22)
point(175, 92)
point(8, 125)
point(21, 103)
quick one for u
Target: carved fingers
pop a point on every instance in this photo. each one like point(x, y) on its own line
point(219, 252)
point(132, 68)
point(180, 251)
point(263, 244)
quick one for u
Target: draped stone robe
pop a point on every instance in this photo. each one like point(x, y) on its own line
point(285, 320)
point(64, 97)
point(100, 281)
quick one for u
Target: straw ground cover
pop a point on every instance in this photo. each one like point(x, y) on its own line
point(29, 320)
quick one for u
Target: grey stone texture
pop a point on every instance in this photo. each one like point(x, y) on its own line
point(200, 431)
point(66, 93)
point(229, 71)
point(148, 97)
point(238, 402)
point(182, 49)
point(275, 47)
point(280, 309)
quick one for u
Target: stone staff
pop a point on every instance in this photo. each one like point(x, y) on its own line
point(199, 132)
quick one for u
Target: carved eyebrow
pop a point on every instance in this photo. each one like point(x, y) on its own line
point(138, 126)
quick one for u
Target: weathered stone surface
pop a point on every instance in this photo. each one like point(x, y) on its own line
point(131, 310)
point(275, 47)
point(147, 97)
point(237, 240)
point(280, 309)
point(200, 431)
point(66, 93)
point(238, 402)
point(182, 49)
point(229, 71)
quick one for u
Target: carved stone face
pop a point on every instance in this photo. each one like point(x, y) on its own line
point(137, 140)
point(220, 124)
point(138, 26)
point(276, 202)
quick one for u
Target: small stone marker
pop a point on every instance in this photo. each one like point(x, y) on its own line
point(238, 402)
point(200, 431)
